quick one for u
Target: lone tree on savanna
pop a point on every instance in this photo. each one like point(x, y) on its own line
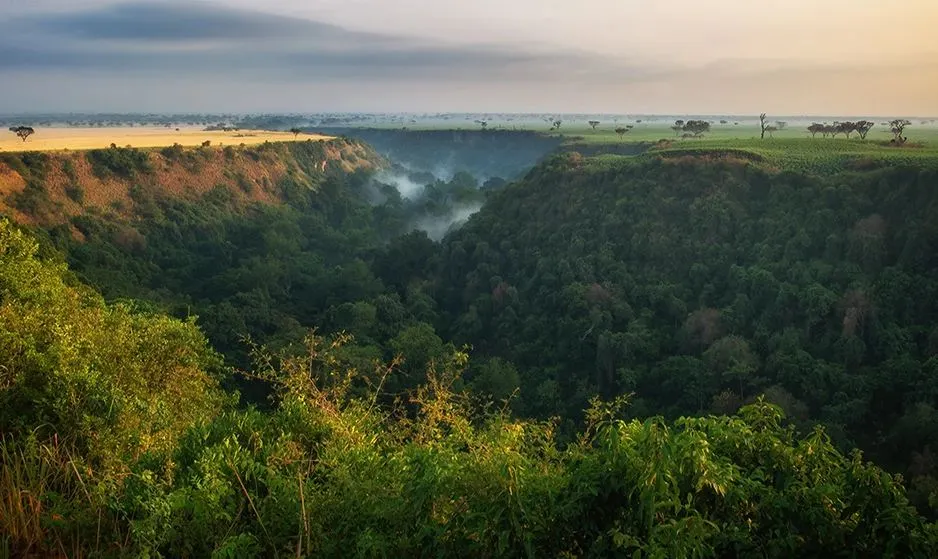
point(593, 124)
point(22, 131)
point(621, 131)
point(762, 123)
point(696, 127)
point(295, 131)
point(897, 127)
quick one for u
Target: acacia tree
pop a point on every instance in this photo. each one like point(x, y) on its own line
point(621, 131)
point(780, 124)
point(815, 128)
point(847, 128)
point(678, 127)
point(897, 127)
point(696, 127)
point(863, 128)
point(762, 124)
point(296, 131)
point(770, 130)
point(22, 131)
point(593, 124)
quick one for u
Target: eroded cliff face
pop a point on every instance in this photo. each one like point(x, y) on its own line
point(50, 188)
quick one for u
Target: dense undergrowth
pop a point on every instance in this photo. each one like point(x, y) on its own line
point(125, 447)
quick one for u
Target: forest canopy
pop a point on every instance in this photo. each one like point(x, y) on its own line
point(647, 356)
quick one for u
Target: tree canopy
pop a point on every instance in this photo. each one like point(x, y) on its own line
point(23, 131)
point(675, 354)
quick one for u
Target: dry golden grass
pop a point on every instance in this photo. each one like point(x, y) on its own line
point(52, 139)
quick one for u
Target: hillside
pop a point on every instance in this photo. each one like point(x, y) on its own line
point(658, 353)
point(699, 282)
point(49, 188)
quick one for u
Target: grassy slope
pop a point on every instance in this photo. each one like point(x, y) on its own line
point(792, 149)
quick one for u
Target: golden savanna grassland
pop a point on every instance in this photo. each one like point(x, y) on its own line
point(61, 138)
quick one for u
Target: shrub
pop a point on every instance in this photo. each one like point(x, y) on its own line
point(172, 152)
point(75, 193)
point(68, 167)
point(33, 200)
point(110, 382)
point(15, 163)
point(116, 161)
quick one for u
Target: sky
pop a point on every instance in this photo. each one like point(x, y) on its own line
point(785, 57)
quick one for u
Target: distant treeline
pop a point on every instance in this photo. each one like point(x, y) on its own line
point(861, 127)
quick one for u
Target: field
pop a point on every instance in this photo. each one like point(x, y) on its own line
point(745, 130)
point(63, 138)
point(792, 148)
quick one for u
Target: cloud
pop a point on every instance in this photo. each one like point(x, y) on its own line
point(175, 55)
point(171, 22)
point(205, 38)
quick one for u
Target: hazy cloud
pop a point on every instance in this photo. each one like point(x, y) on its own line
point(172, 22)
point(175, 55)
point(197, 37)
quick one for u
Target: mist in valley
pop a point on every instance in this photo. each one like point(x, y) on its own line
point(436, 202)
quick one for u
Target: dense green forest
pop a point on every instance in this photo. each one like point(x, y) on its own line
point(636, 356)
point(698, 284)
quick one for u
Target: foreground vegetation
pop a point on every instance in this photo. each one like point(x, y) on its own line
point(102, 456)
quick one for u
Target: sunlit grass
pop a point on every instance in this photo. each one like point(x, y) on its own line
point(791, 149)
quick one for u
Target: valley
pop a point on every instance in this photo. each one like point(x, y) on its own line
point(505, 299)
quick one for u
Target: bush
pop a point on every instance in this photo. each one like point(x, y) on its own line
point(33, 200)
point(15, 163)
point(38, 164)
point(68, 167)
point(116, 161)
point(172, 152)
point(75, 193)
point(102, 378)
point(244, 183)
